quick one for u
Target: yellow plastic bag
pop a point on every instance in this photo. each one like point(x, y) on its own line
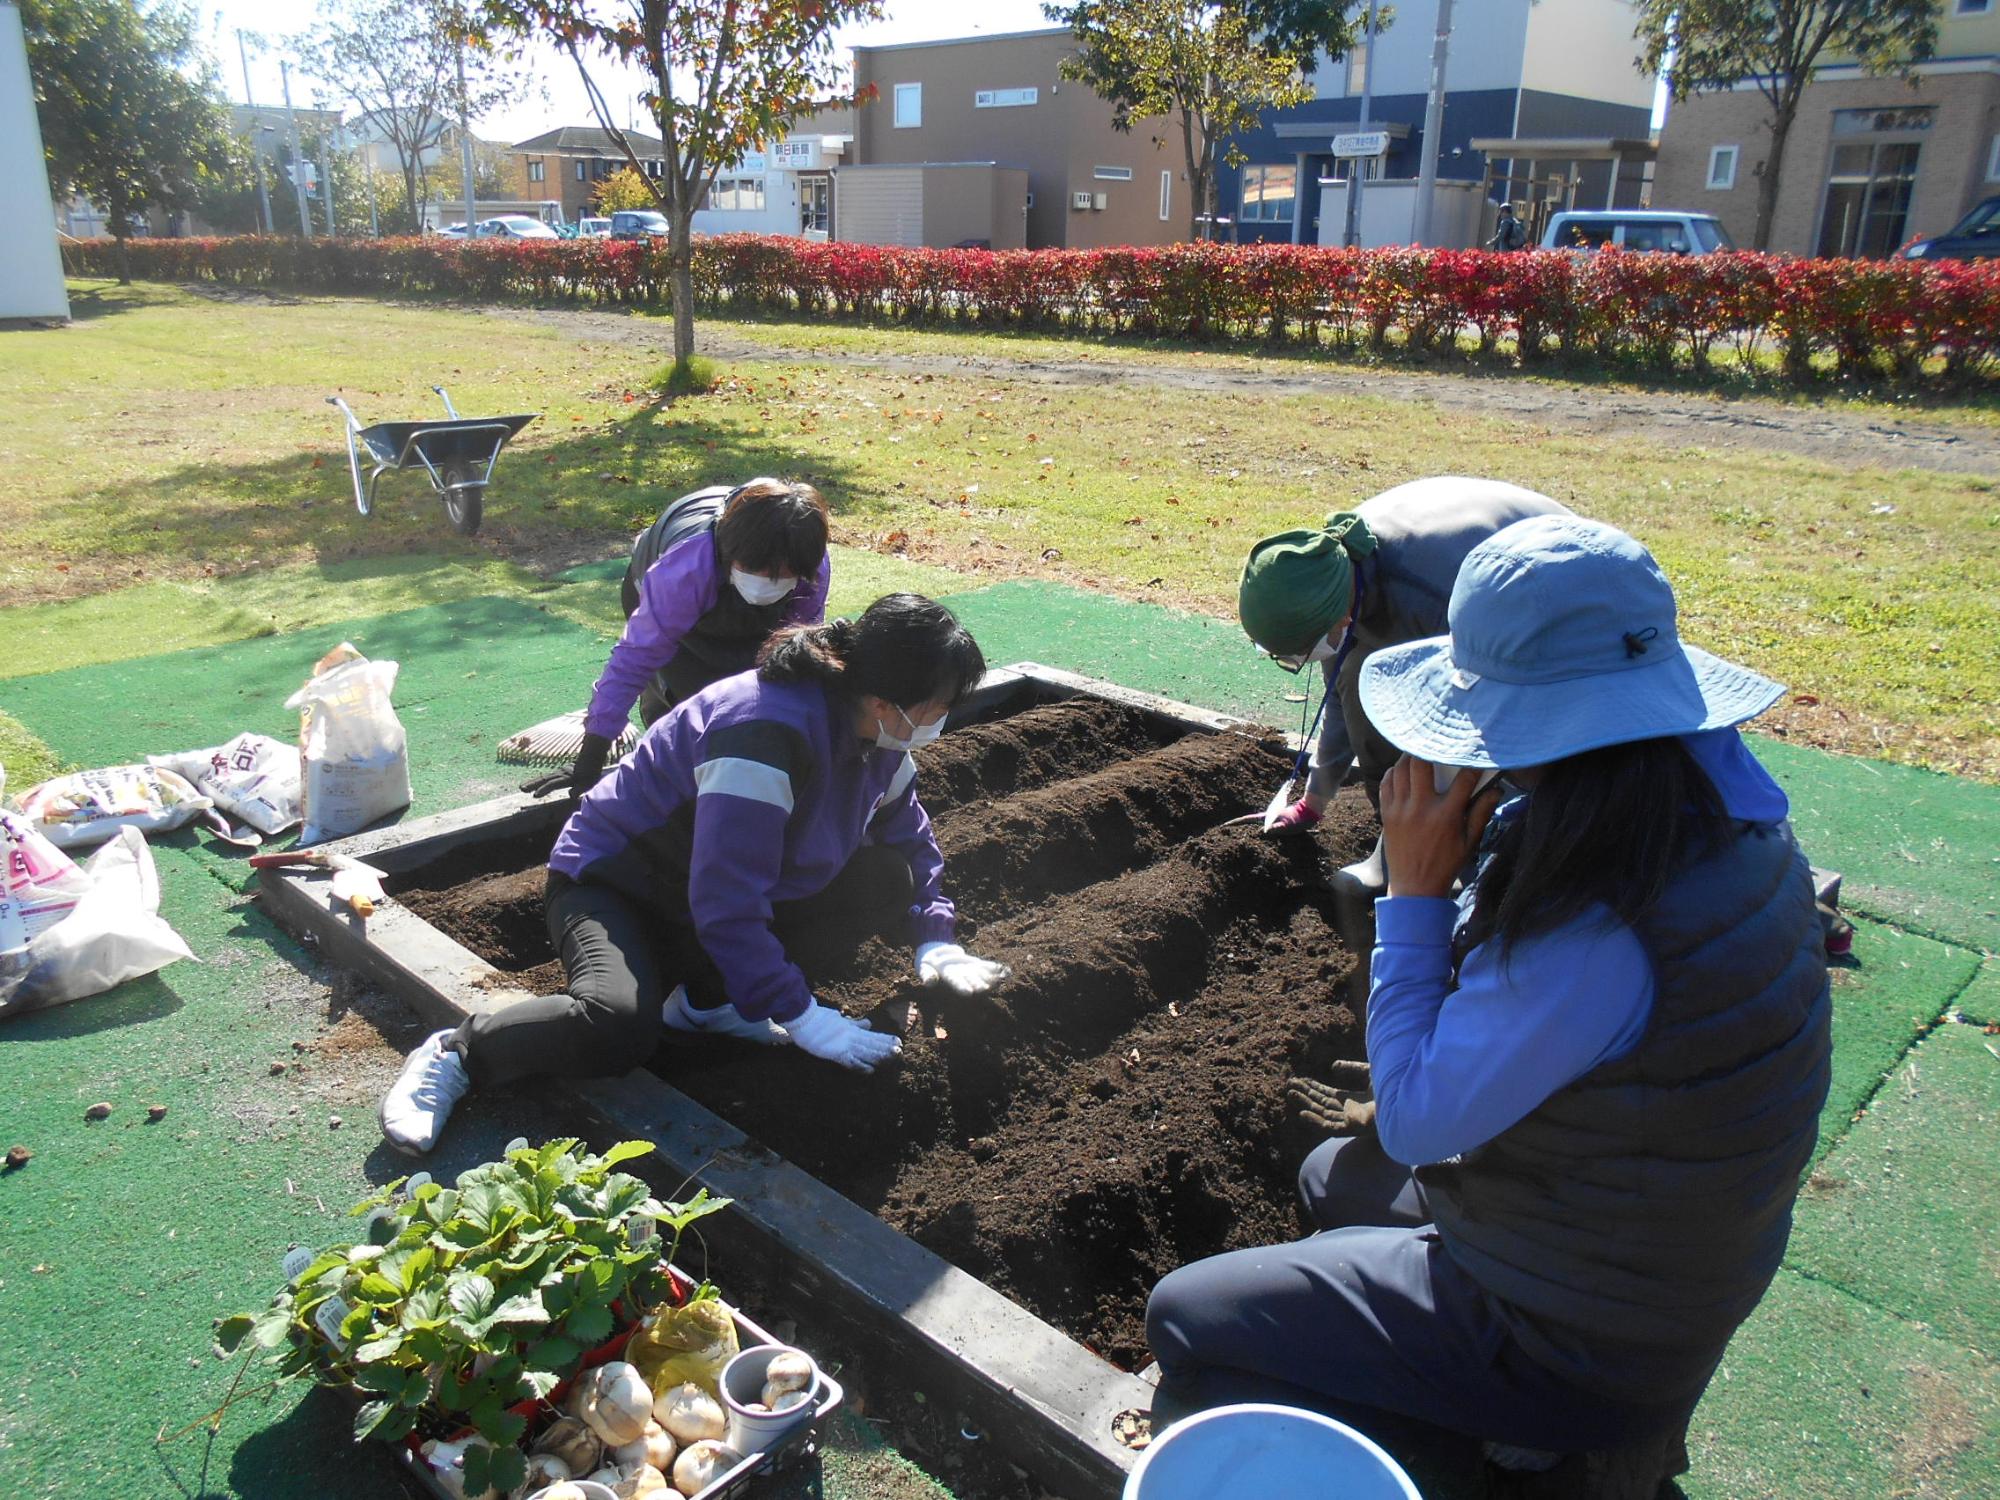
point(690, 1342)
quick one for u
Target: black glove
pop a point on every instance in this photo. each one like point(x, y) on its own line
point(1345, 1107)
point(589, 765)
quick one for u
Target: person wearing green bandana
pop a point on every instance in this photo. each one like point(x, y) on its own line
point(1380, 575)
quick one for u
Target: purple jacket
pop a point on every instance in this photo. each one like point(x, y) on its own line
point(677, 591)
point(752, 792)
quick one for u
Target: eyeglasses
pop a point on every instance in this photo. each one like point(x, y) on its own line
point(1293, 662)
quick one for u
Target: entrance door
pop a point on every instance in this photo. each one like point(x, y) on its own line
point(816, 206)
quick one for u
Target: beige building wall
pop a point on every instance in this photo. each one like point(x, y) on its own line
point(1059, 135)
point(1955, 167)
point(1583, 49)
point(879, 205)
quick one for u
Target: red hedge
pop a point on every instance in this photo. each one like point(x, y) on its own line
point(1889, 318)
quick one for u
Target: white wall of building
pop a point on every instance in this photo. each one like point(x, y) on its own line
point(1584, 48)
point(31, 278)
point(1488, 39)
point(778, 171)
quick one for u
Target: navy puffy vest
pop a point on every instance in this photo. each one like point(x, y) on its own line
point(1646, 1206)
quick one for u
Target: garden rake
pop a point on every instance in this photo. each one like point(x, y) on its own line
point(555, 742)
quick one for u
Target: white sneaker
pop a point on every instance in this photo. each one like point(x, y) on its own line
point(725, 1020)
point(418, 1103)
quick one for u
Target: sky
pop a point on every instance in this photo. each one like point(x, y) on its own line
point(555, 96)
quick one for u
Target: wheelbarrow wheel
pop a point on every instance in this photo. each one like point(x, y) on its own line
point(464, 498)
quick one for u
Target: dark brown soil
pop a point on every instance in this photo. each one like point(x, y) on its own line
point(1117, 1110)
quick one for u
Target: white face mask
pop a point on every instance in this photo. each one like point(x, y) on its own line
point(759, 590)
point(920, 734)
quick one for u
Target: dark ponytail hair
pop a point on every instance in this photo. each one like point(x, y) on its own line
point(1612, 825)
point(905, 648)
point(772, 523)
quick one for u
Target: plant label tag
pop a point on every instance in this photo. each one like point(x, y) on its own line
point(329, 1315)
point(296, 1260)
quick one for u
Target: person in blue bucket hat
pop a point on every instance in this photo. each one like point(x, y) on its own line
point(1597, 1072)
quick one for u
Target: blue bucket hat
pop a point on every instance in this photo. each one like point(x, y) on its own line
point(1562, 640)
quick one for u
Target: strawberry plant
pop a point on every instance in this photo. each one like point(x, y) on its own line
point(460, 1303)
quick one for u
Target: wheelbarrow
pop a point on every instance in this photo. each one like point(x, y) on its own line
point(457, 454)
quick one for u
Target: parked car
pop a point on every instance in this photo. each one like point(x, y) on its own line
point(1974, 237)
point(593, 229)
point(1638, 229)
point(638, 224)
point(451, 231)
point(514, 227)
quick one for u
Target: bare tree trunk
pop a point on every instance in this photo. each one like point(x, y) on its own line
point(1769, 169)
point(680, 282)
point(124, 260)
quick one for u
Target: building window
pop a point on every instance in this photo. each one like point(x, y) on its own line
point(1005, 98)
point(1342, 167)
point(815, 205)
point(1868, 198)
point(537, 171)
point(1268, 194)
point(653, 167)
point(1993, 161)
point(1112, 174)
point(733, 195)
point(582, 171)
point(1974, 7)
point(1357, 69)
point(909, 105)
point(1722, 168)
point(1166, 195)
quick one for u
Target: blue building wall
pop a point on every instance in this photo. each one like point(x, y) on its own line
point(1467, 113)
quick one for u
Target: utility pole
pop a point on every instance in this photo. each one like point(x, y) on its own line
point(1356, 164)
point(1427, 176)
point(298, 162)
point(326, 150)
point(256, 146)
point(464, 140)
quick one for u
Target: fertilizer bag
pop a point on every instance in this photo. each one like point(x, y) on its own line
point(114, 932)
point(88, 807)
point(253, 778)
point(39, 886)
point(354, 762)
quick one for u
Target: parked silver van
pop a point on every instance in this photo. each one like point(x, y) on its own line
point(1639, 229)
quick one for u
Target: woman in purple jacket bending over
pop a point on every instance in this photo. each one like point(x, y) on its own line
point(773, 812)
point(707, 584)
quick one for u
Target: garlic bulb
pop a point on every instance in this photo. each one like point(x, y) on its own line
point(574, 1444)
point(562, 1489)
point(634, 1481)
point(544, 1470)
point(785, 1400)
point(614, 1403)
point(657, 1447)
point(702, 1464)
point(787, 1371)
point(690, 1414)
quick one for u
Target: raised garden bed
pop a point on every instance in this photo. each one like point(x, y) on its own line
point(1115, 1112)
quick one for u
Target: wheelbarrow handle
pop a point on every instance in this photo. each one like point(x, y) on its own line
point(446, 395)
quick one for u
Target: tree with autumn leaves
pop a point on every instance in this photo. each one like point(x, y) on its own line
point(725, 77)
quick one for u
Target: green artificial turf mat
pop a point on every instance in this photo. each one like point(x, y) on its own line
point(1823, 1396)
point(1194, 658)
point(1915, 847)
point(1896, 987)
point(472, 672)
point(1906, 1213)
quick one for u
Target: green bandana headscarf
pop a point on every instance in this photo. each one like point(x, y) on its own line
point(1297, 584)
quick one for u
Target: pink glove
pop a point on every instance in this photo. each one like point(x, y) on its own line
point(1298, 818)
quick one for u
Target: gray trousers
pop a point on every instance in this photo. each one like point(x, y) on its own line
point(1371, 1322)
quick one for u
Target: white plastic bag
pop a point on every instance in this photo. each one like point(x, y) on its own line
point(354, 759)
point(253, 778)
point(114, 933)
point(39, 886)
point(88, 807)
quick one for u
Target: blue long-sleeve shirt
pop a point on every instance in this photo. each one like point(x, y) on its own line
point(1452, 1067)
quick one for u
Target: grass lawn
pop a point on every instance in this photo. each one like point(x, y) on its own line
point(173, 440)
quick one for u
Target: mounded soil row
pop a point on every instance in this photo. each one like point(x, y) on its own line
point(1117, 1109)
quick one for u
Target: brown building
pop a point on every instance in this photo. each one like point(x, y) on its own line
point(982, 115)
point(1871, 162)
point(567, 164)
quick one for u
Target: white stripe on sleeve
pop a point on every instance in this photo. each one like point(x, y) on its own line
point(731, 776)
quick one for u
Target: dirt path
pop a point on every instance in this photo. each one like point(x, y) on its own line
point(1825, 434)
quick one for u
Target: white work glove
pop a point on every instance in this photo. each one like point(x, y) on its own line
point(825, 1032)
point(949, 965)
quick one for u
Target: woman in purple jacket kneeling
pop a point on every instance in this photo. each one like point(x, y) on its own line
point(772, 813)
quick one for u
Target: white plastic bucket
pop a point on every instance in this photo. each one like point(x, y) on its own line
point(743, 1382)
point(1270, 1452)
